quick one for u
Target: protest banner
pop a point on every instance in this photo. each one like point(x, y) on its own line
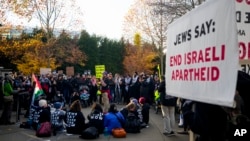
point(203, 54)
point(243, 26)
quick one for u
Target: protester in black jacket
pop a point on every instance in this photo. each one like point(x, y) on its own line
point(44, 114)
point(75, 120)
point(96, 118)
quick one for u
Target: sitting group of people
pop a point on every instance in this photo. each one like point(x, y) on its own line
point(132, 117)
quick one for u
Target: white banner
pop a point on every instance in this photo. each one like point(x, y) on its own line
point(203, 54)
point(243, 25)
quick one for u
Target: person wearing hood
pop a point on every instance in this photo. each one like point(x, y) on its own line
point(57, 118)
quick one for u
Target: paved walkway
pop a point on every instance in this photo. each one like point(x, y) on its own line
point(152, 133)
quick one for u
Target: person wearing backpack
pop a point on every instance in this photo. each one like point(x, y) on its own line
point(132, 121)
point(113, 119)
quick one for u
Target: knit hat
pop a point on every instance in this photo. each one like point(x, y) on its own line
point(142, 100)
point(57, 105)
point(135, 101)
point(42, 103)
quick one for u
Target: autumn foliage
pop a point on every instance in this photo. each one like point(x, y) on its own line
point(139, 57)
point(30, 53)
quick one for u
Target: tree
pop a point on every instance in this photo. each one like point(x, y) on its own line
point(67, 52)
point(151, 18)
point(142, 18)
point(26, 52)
point(50, 14)
point(89, 45)
point(111, 54)
point(137, 39)
point(139, 57)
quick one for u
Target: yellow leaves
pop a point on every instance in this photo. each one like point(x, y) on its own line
point(32, 62)
point(27, 54)
point(137, 39)
point(139, 59)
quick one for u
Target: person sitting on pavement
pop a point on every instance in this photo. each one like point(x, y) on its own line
point(32, 121)
point(44, 113)
point(132, 121)
point(96, 118)
point(138, 109)
point(57, 118)
point(75, 120)
point(113, 119)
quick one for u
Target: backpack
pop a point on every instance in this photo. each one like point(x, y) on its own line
point(132, 124)
point(90, 133)
point(44, 130)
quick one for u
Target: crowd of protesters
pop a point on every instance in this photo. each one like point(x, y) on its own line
point(136, 91)
point(75, 92)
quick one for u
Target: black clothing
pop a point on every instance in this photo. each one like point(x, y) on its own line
point(44, 115)
point(75, 122)
point(165, 99)
point(145, 112)
point(96, 120)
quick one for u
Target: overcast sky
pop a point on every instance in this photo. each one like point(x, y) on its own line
point(105, 17)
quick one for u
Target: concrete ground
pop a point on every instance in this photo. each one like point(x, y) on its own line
point(152, 133)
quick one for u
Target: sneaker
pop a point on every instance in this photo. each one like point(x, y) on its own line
point(180, 126)
point(169, 134)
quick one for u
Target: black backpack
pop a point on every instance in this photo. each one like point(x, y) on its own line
point(132, 124)
point(90, 133)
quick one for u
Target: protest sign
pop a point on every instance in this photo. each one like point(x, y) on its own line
point(203, 54)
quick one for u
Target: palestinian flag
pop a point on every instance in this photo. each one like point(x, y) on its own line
point(38, 91)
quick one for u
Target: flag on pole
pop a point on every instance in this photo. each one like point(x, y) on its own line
point(38, 91)
point(159, 71)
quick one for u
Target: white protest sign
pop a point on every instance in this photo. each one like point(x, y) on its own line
point(243, 25)
point(203, 54)
point(45, 71)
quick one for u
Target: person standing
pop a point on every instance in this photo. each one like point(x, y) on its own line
point(93, 90)
point(127, 83)
point(168, 104)
point(7, 90)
